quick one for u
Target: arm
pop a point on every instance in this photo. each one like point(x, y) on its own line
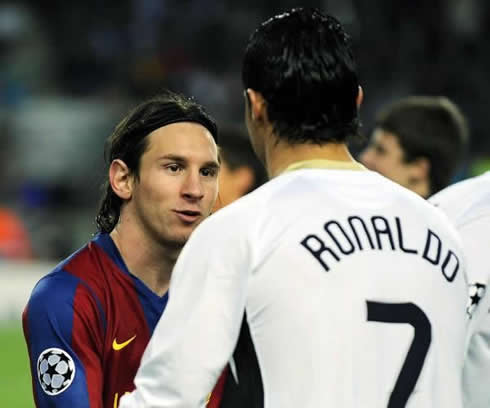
point(474, 236)
point(477, 361)
point(62, 332)
point(198, 331)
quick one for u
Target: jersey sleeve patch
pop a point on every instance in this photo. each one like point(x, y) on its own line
point(476, 292)
point(55, 370)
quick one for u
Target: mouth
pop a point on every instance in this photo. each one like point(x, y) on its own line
point(188, 216)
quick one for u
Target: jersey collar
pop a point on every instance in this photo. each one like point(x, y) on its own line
point(324, 164)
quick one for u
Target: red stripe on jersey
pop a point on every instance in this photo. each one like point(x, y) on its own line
point(95, 268)
point(217, 394)
point(88, 343)
point(110, 368)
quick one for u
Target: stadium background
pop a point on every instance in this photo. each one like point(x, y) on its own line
point(70, 70)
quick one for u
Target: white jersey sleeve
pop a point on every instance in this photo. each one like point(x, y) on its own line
point(467, 204)
point(476, 393)
point(476, 372)
point(196, 335)
point(474, 235)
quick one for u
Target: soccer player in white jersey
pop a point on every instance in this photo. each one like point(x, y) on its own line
point(467, 204)
point(330, 285)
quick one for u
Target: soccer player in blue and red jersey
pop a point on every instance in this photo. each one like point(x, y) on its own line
point(88, 322)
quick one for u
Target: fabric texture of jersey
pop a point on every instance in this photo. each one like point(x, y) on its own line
point(90, 320)
point(467, 204)
point(353, 291)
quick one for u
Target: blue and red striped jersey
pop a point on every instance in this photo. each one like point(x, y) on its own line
point(86, 326)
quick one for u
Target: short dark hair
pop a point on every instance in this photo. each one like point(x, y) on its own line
point(431, 127)
point(236, 150)
point(302, 63)
point(129, 142)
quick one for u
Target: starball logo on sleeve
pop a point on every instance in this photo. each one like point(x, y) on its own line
point(55, 370)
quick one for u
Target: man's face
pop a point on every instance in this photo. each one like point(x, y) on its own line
point(385, 155)
point(178, 182)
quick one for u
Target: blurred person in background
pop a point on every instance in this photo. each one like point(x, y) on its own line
point(87, 323)
point(418, 142)
point(467, 205)
point(240, 171)
point(15, 242)
point(321, 285)
point(15, 236)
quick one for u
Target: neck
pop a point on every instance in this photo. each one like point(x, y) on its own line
point(145, 258)
point(280, 154)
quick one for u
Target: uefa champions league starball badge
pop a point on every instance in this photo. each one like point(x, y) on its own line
point(55, 370)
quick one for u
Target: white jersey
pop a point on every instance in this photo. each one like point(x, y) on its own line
point(467, 204)
point(351, 290)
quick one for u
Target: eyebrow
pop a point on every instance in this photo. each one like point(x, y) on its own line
point(183, 160)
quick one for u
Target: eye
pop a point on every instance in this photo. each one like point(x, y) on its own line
point(174, 167)
point(209, 171)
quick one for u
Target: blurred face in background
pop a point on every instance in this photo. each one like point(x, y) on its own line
point(233, 183)
point(385, 155)
point(177, 184)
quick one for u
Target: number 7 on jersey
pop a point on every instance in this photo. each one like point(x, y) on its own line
point(411, 314)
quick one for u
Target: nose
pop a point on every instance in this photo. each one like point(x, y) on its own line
point(192, 188)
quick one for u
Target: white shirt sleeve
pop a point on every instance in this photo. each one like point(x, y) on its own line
point(198, 331)
point(475, 237)
point(476, 372)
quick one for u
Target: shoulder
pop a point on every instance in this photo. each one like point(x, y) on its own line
point(414, 209)
point(51, 305)
point(234, 229)
point(279, 191)
point(55, 293)
point(453, 191)
point(239, 212)
point(465, 201)
point(243, 218)
point(57, 302)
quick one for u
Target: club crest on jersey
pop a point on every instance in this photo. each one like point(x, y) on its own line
point(55, 370)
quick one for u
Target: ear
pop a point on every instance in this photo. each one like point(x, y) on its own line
point(360, 97)
point(257, 105)
point(120, 179)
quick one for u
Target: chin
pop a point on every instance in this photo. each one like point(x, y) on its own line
point(176, 241)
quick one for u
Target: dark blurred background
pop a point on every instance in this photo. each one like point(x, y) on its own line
point(70, 70)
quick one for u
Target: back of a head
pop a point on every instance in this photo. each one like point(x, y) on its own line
point(302, 64)
point(129, 141)
point(429, 127)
